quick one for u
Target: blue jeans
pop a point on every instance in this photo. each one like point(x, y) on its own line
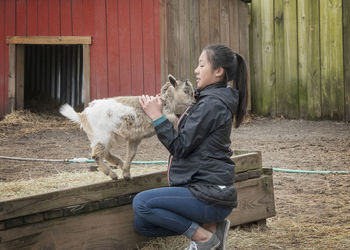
point(172, 211)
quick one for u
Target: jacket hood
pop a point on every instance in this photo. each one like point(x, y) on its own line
point(222, 91)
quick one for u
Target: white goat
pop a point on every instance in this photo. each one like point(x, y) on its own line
point(105, 120)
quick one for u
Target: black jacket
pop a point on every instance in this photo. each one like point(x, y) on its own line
point(200, 150)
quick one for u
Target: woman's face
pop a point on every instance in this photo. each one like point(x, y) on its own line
point(205, 74)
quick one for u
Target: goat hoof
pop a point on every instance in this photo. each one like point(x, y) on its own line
point(127, 177)
point(113, 176)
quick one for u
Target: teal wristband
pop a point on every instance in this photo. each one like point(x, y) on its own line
point(158, 121)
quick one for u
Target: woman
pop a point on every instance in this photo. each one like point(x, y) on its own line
point(201, 174)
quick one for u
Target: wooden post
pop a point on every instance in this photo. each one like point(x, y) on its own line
point(346, 44)
point(286, 58)
point(309, 59)
point(19, 76)
point(86, 74)
point(12, 78)
point(256, 65)
point(268, 80)
point(332, 74)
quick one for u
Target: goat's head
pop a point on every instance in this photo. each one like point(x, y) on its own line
point(177, 94)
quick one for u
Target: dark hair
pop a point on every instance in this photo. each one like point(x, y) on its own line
point(235, 69)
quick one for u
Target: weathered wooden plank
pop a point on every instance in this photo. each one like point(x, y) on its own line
point(256, 63)
point(48, 39)
point(105, 229)
point(73, 196)
point(19, 76)
point(346, 44)
point(249, 161)
point(195, 49)
point(113, 228)
point(255, 201)
point(86, 74)
point(12, 78)
point(309, 60)
point(268, 84)
point(204, 23)
point(243, 17)
point(332, 74)
point(173, 33)
point(214, 22)
point(224, 22)
point(234, 24)
point(287, 84)
point(104, 190)
point(184, 39)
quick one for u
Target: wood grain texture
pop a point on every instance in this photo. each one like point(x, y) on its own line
point(113, 228)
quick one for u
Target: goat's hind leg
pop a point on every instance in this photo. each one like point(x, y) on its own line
point(98, 154)
point(114, 160)
point(131, 152)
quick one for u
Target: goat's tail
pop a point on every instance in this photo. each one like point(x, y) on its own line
point(67, 111)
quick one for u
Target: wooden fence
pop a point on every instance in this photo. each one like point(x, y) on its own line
point(300, 62)
point(187, 26)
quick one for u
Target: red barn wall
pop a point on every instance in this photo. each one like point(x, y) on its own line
point(125, 52)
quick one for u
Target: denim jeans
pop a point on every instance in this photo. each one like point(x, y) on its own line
point(172, 211)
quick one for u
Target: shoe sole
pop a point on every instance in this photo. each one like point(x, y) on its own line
point(227, 228)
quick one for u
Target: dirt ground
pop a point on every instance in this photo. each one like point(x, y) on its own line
point(313, 210)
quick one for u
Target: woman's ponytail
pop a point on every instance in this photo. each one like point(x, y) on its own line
point(241, 85)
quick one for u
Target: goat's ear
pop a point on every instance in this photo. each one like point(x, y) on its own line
point(188, 83)
point(172, 80)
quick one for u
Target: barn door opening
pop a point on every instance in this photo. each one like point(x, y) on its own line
point(53, 75)
point(46, 72)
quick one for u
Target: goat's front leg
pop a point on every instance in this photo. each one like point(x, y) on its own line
point(131, 152)
point(98, 153)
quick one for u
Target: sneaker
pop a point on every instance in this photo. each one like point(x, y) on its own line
point(211, 244)
point(222, 232)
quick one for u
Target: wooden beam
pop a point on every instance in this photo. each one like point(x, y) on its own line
point(255, 201)
point(48, 40)
point(114, 228)
point(19, 76)
point(86, 74)
point(12, 78)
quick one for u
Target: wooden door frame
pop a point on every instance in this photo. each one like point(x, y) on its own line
point(16, 64)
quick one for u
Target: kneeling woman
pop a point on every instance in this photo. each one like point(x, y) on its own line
point(201, 173)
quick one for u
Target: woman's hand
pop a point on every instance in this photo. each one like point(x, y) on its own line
point(152, 105)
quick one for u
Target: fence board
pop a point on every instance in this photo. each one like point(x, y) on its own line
point(346, 44)
point(204, 22)
point(256, 64)
point(287, 84)
point(234, 24)
point(173, 30)
point(214, 22)
point(225, 22)
point(268, 59)
point(332, 77)
point(195, 49)
point(309, 60)
point(184, 39)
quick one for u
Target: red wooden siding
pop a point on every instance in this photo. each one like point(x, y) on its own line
point(125, 52)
